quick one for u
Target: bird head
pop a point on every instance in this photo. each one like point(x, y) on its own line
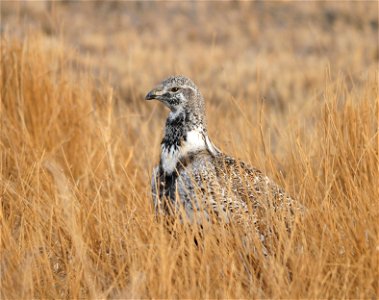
point(178, 93)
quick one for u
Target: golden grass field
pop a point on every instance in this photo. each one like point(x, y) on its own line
point(291, 88)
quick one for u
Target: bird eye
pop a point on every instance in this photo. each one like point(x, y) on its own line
point(174, 89)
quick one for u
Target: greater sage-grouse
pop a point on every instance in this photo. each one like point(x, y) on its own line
point(195, 179)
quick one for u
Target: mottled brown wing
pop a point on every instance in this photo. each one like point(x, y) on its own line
point(263, 197)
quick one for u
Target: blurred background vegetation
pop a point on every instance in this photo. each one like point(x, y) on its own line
point(281, 51)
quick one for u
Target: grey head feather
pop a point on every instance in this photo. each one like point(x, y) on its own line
point(181, 96)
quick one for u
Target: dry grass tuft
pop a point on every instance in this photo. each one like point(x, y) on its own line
point(76, 212)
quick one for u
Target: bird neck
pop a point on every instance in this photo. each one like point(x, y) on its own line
point(178, 124)
point(184, 134)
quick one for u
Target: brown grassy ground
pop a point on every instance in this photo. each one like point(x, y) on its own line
point(291, 88)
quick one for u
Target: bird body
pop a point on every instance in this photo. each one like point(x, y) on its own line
point(195, 177)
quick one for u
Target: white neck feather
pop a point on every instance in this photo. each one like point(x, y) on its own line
point(195, 140)
point(173, 114)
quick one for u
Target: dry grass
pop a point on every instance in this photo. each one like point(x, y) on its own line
point(77, 149)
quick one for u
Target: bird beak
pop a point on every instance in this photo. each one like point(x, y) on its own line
point(154, 94)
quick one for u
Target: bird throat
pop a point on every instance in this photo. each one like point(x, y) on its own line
point(181, 138)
